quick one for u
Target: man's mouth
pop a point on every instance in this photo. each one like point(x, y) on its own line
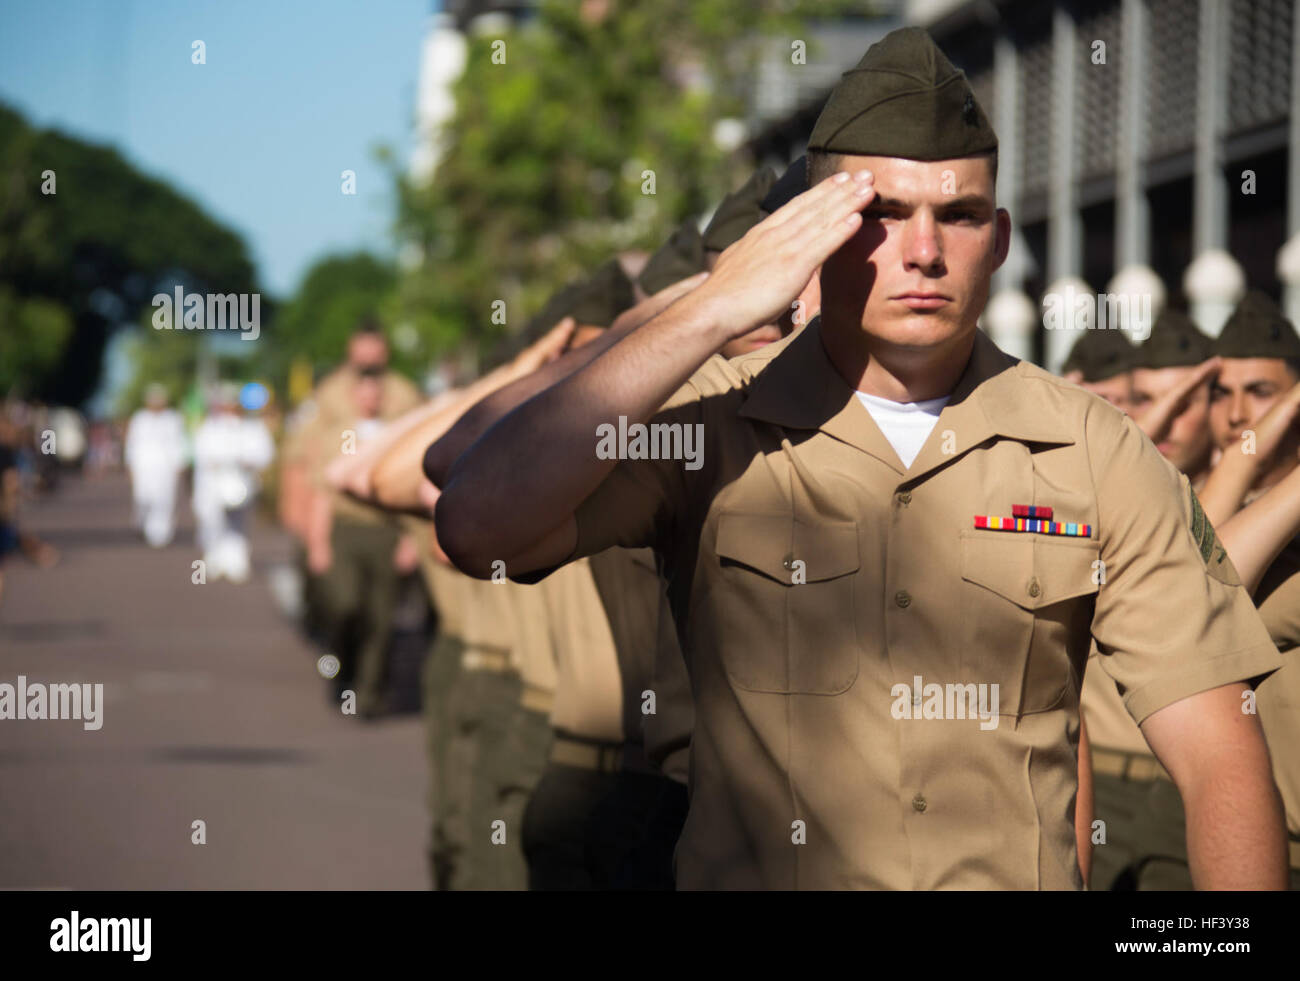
point(918, 300)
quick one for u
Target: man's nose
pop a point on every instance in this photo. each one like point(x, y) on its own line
point(922, 247)
point(1237, 410)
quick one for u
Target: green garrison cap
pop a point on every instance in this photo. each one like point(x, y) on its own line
point(1257, 329)
point(788, 186)
point(681, 257)
point(739, 211)
point(603, 296)
point(904, 99)
point(1174, 343)
point(1100, 354)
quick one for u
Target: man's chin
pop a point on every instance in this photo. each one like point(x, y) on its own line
point(916, 331)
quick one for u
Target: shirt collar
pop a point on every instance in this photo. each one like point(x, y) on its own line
point(799, 388)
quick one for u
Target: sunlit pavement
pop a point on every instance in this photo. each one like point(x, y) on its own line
point(213, 711)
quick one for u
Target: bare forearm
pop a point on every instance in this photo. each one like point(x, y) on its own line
point(396, 476)
point(1256, 534)
point(474, 423)
point(1227, 485)
point(531, 470)
point(1235, 833)
point(449, 445)
point(1216, 755)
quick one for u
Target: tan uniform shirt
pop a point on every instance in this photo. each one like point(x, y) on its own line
point(1109, 724)
point(657, 712)
point(812, 576)
point(534, 654)
point(589, 692)
point(1278, 697)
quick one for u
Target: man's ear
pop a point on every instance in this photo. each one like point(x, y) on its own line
point(1003, 243)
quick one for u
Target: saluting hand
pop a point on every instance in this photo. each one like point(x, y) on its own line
point(1156, 421)
point(757, 278)
point(1273, 427)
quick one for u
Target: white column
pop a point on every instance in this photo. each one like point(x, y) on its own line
point(1214, 282)
point(1006, 121)
point(1140, 297)
point(1288, 258)
point(1211, 277)
point(1010, 319)
point(1064, 228)
point(1132, 212)
point(1069, 307)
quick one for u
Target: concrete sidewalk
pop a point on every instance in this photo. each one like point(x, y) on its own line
point(213, 711)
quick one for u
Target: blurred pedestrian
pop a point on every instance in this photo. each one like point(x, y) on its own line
point(230, 452)
point(351, 546)
point(155, 454)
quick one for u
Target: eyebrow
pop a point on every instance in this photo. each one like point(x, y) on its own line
point(1218, 386)
point(970, 201)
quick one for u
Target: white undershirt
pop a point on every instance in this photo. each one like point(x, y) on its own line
point(906, 425)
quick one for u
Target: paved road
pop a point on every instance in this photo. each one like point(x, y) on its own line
point(213, 711)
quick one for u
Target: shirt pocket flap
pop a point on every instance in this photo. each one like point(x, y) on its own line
point(788, 551)
point(1030, 572)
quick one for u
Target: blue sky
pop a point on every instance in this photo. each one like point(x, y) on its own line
point(293, 93)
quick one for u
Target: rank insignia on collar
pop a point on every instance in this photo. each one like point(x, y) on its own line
point(1039, 526)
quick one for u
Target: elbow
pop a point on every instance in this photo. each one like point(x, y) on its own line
point(437, 462)
point(460, 534)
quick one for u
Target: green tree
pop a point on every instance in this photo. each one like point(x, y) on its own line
point(98, 248)
point(595, 135)
point(336, 294)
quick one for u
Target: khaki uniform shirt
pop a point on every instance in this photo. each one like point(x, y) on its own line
point(649, 659)
point(1278, 697)
point(812, 575)
point(589, 692)
point(1109, 724)
point(534, 652)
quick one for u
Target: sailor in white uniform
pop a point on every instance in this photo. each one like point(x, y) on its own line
point(230, 451)
point(155, 454)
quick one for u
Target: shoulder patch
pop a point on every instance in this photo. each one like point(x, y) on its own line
point(1213, 554)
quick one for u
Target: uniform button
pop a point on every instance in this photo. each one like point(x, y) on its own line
point(1034, 589)
point(919, 802)
point(903, 599)
point(905, 498)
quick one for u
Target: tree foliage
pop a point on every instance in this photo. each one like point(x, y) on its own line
point(97, 249)
point(595, 135)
